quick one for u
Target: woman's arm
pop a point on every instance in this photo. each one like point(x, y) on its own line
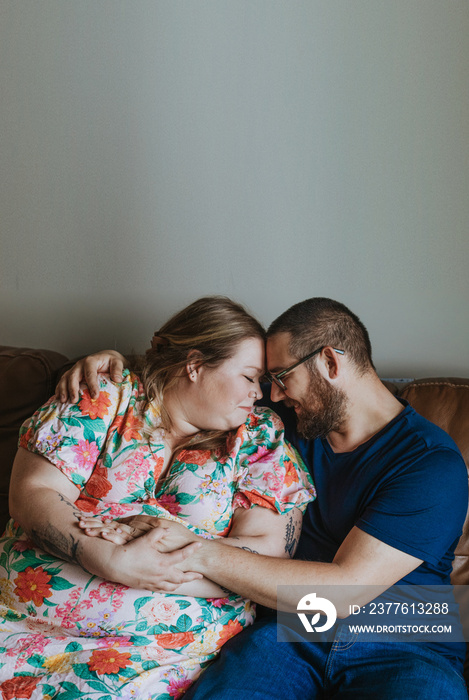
point(42, 502)
point(257, 530)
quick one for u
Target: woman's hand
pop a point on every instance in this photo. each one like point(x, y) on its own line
point(86, 370)
point(119, 531)
point(170, 535)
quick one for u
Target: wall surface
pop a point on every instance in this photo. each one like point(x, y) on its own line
point(154, 151)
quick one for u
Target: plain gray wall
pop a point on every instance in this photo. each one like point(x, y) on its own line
point(153, 151)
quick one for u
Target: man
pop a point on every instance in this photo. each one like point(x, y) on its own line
point(392, 498)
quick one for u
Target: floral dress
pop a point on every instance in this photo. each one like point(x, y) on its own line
point(66, 634)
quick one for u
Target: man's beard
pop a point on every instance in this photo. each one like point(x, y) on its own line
point(323, 409)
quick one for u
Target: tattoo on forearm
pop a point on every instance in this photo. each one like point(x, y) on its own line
point(246, 549)
point(57, 543)
point(54, 541)
point(290, 539)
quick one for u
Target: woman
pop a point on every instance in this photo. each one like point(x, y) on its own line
point(180, 440)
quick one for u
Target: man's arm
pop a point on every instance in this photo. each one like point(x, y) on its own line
point(87, 370)
point(263, 531)
point(362, 561)
point(42, 502)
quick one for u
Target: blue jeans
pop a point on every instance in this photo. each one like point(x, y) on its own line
point(255, 665)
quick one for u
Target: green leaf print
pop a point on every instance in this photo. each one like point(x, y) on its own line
point(83, 671)
point(73, 646)
point(36, 660)
point(183, 604)
point(89, 435)
point(98, 685)
point(148, 665)
point(59, 583)
point(185, 498)
point(140, 602)
point(184, 623)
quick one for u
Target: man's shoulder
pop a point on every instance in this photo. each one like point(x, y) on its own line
point(432, 437)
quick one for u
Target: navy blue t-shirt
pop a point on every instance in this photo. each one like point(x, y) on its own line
point(406, 486)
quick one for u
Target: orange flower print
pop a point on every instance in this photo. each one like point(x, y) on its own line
point(26, 438)
point(233, 627)
point(175, 640)
point(94, 408)
point(199, 457)
point(19, 687)
point(261, 500)
point(291, 476)
point(86, 503)
point(33, 584)
point(97, 485)
point(128, 426)
point(108, 660)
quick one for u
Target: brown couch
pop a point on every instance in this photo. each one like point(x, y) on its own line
point(28, 378)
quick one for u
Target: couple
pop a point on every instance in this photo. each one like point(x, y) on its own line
point(386, 512)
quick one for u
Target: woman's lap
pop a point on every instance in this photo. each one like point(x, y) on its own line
point(60, 625)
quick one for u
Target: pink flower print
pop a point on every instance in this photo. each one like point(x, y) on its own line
point(117, 510)
point(161, 610)
point(86, 453)
point(109, 642)
point(259, 455)
point(178, 686)
point(241, 501)
point(218, 602)
point(168, 501)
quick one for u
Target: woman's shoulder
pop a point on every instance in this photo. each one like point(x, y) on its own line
point(263, 417)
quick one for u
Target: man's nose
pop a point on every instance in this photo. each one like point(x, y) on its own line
point(276, 393)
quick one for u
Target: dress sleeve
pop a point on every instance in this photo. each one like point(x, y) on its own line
point(270, 472)
point(72, 436)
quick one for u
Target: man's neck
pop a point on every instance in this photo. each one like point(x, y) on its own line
point(371, 407)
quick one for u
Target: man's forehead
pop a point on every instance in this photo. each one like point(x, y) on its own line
point(278, 351)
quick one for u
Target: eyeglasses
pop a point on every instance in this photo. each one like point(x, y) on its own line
point(277, 378)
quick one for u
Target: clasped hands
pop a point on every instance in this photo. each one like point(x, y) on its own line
point(154, 553)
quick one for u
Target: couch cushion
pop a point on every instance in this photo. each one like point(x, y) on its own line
point(445, 401)
point(27, 380)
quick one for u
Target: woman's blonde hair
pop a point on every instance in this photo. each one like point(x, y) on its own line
point(208, 332)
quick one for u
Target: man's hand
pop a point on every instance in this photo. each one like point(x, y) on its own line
point(86, 370)
point(143, 564)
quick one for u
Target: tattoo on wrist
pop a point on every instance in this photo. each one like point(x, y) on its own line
point(290, 539)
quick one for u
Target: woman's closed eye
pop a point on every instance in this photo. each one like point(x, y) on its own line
point(250, 379)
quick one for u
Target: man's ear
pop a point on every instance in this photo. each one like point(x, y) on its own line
point(193, 364)
point(332, 361)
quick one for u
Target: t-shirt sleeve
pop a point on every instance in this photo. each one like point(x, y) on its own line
point(72, 436)
point(421, 510)
point(270, 472)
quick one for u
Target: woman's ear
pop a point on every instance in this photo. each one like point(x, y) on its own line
point(193, 364)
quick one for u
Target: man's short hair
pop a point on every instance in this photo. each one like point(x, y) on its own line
point(317, 322)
